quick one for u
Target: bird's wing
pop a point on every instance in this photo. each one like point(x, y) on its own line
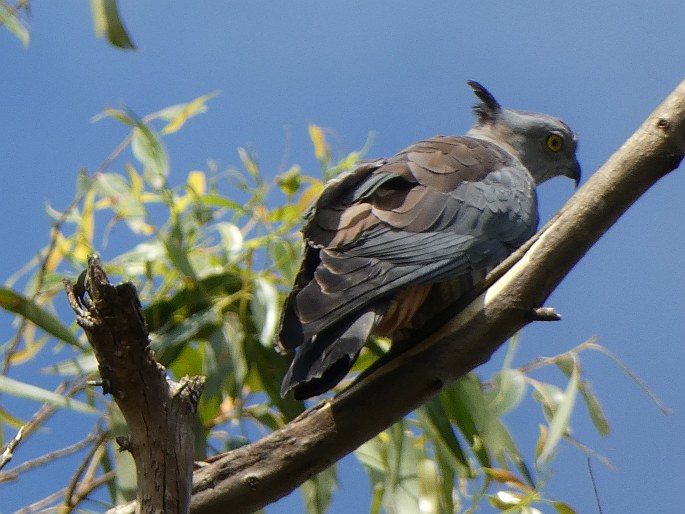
point(440, 208)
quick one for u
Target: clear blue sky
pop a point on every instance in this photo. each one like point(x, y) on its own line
point(397, 68)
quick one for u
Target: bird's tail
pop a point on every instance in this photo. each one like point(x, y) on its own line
point(322, 361)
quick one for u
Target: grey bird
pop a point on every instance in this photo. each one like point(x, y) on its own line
point(391, 242)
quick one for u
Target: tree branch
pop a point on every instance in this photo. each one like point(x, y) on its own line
point(158, 411)
point(250, 477)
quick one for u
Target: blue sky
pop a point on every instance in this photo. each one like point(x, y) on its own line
point(398, 69)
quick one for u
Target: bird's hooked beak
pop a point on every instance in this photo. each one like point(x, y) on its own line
point(573, 172)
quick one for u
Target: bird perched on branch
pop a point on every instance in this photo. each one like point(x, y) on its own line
point(391, 242)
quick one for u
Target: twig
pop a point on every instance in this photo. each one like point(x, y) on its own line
point(41, 504)
point(14, 473)
point(42, 414)
point(13, 10)
point(82, 493)
point(594, 485)
point(8, 453)
point(88, 487)
point(68, 504)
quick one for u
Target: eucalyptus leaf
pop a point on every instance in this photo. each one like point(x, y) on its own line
point(17, 303)
point(31, 392)
point(147, 147)
point(14, 24)
point(186, 330)
point(429, 487)
point(317, 492)
point(84, 363)
point(563, 508)
point(264, 307)
point(108, 23)
point(401, 477)
point(599, 419)
point(231, 239)
point(558, 427)
point(508, 391)
point(177, 115)
point(437, 428)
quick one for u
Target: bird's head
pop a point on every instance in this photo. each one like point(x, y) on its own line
point(545, 145)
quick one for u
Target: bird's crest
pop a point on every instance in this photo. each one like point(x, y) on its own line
point(488, 108)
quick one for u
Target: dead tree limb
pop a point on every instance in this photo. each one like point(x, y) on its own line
point(250, 477)
point(158, 411)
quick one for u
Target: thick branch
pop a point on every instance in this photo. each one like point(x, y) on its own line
point(250, 477)
point(159, 412)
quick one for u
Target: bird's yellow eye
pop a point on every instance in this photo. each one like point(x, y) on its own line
point(554, 142)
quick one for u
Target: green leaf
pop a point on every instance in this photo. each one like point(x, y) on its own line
point(266, 368)
point(372, 456)
point(186, 330)
point(83, 182)
point(14, 24)
point(107, 21)
point(449, 493)
point(148, 149)
point(112, 185)
point(188, 361)
point(177, 115)
point(178, 255)
point(222, 202)
point(457, 406)
point(270, 418)
point(317, 492)
point(469, 410)
point(549, 396)
point(249, 160)
point(541, 440)
point(286, 257)
point(264, 306)
point(19, 304)
point(429, 487)
point(83, 364)
point(117, 114)
point(599, 419)
point(594, 346)
point(234, 334)
point(285, 214)
point(7, 418)
point(231, 239)
point(508, 391)
point(32, 392)
point(401, 479)
point(437, 428)
point(563, 508)
point(290, 181)
point(558, 427)
point(165, 313)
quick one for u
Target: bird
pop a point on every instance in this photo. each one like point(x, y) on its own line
point(392, 241)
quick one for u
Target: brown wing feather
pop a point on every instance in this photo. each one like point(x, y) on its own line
point(415, 191)
point(379, 237)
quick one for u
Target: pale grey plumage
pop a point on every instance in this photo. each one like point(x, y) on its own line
point(386, 241)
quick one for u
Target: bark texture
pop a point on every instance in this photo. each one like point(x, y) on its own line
point(250, 477)
point(158, 411)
